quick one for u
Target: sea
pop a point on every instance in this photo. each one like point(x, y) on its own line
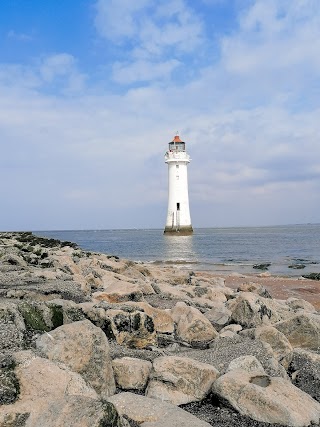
point(291, 250)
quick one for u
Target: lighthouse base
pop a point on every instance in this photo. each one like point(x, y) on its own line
point(182, 231)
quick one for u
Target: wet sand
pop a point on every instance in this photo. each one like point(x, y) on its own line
point(279, 287)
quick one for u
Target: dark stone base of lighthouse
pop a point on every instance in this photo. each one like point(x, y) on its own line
point(182, 231)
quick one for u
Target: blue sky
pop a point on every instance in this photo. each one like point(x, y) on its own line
point(91, 92)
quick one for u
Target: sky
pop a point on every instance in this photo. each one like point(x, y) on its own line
point(92, 92)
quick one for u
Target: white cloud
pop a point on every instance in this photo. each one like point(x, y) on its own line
point(150, 32)
point(19, 36)
point(250, 121)
point(143, 71)
point(64, 66)
point(275, 36)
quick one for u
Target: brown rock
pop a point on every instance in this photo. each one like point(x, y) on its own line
point(84, 348)
point(180, 380)
point(52, 396)
point(192, 326)
point(131, 373)
point(267, 399)
point(153, 413)
point(302, 330)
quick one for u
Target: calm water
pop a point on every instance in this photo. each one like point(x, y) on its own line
point(218, 249)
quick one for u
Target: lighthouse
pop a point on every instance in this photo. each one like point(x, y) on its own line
point(178, 218)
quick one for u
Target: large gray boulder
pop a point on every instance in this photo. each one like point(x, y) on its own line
point(219, 315)
point(278, 342)
point(192, 326)
point(305, 371)
point(180, 380)
point(51, 395)
point(267, 399)
point(84, 348)
point(302, 330)
point(251, 310)
point(12, 328)
point(147, 412)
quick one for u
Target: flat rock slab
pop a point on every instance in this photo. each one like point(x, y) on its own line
point(153, 413)
point(267, 399)
point(180, 380)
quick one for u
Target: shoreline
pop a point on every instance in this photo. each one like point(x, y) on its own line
point(141, 337)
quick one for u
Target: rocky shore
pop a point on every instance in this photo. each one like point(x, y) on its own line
point(88, 339)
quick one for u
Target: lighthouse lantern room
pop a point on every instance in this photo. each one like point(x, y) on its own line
point(178, 217)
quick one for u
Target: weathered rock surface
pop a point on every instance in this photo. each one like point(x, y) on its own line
point(133, 329)
point(82, 309)
point(162, 319)
point(256, 288)
point(267, 399)
point(180, 380)
point(251, 310)
point(247, 363)
point(12, 327)
point(302, 330)
point(192, 326)
point(53, 396)
point(305, 371)
point(219, 315)
point(153, 413)
point(280, 345)
point(131, 373)
point(84, 349)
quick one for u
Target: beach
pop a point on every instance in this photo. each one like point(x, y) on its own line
point(92, 336)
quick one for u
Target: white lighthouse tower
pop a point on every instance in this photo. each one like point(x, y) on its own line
point(178, 217)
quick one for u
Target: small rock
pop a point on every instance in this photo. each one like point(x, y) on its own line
point(131, 373)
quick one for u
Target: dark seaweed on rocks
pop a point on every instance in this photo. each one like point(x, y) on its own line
point(32, 240)
point(313, 276)
point(263, 266)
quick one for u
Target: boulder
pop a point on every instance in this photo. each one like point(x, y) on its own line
point(134, 329)
point(12, 328)
point(147, 412)
point(251, 310)
point(84, 348)
point(256, 288)
point(65, 311)
point(302, 330)
point(180, 380)
point(162, 319)
point(192, 326)
point(219, 315)
point(176, 292)
point(51, 395)
point(305, 371)
point(247, 363)
point(300, 304)
point(280, 345)
point(131, 373)
point(234, 328)
point(267, 399)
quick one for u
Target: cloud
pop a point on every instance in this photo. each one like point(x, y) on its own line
point(63, 66)
point(143, 71)
point(275, 36)
point(150, 33)
point(23, 37)
point(83, 155)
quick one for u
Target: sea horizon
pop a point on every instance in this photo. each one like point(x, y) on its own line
point(290, 250)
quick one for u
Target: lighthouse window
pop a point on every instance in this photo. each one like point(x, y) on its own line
point(178, 206)
point(177, 166)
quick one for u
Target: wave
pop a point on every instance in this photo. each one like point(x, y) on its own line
point(174, 262)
